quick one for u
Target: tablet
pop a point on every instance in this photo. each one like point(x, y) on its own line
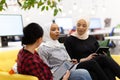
point(59, 73)
point(102, 50)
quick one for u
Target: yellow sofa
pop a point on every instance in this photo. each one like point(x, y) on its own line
point(7, 60)
point(117, 59)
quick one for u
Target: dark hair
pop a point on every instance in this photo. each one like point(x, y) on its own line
point(32, 32)
point(53, 21)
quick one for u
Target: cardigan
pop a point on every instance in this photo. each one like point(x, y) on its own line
point(53, 57)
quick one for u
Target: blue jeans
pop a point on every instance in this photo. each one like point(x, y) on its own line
point(79, 74)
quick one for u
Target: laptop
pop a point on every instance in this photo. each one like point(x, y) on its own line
point(59, 73)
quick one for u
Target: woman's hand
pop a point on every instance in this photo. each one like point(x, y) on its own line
point(66, 76)
point(91, 56)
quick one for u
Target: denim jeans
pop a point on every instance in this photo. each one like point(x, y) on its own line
point(79, 74)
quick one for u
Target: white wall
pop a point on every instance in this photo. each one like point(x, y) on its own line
point(74, 9)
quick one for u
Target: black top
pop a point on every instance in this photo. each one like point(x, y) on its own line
point(78, 48)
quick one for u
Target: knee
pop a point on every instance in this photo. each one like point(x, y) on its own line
point(82, 71)
point(87, 64)
point(80, 74)
point(103, 57)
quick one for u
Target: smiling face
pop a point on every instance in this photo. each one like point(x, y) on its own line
point(82, 26)
point(54, 31)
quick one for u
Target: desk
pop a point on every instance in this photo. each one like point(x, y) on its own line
point(116, 40)
point(12, 46)
point(99, 32)
point(104, 31)
point(113, 37)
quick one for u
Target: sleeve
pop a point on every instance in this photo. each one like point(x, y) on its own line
point(43, 53)
point(68, 47)
point(96, 43)
point(69, 59)
point(34, 69)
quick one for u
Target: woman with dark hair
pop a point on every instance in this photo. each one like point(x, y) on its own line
point(28, 61)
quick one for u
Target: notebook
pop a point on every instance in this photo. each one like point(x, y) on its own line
point(59, 73)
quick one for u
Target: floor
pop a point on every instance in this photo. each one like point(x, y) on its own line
point(116, 50)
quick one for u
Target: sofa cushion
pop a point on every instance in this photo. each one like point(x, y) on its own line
point(7, 59)
point(7, 76)
point(116, 58)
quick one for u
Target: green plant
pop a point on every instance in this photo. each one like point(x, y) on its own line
point(118, 26)
point(41, 4)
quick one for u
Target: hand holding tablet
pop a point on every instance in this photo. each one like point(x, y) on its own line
point(102, 50)
point(60, 72)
